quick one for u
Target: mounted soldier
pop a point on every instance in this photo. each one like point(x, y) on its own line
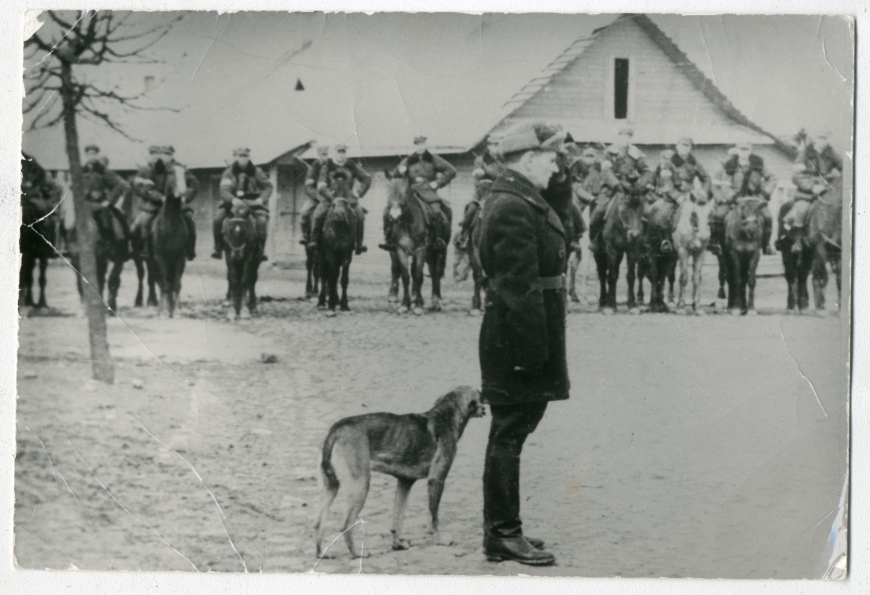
point(246, 182)
point(742, 175)
point(818, 171)
point(629, 167)
point(162, 177)
point(674, 181)
point(103, 189)
point(336, 180)
point(487, 168)
point(425, 174)
point(311, 178)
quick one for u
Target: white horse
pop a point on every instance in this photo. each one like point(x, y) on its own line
point(691, 239)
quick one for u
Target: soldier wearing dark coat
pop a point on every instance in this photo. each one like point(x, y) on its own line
point(818, 171)
point(742, 175)
point(559, 194)
point(103, 188)
point(426, 174)
point(244, 181)
point(674, 181)
point(311, 178)
point(522, 339)
point(337, 179)
point(628, 165)
point(163, 177)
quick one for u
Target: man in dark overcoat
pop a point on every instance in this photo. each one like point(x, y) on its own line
point(522, 339)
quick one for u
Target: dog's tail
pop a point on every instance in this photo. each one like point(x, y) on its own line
point(330, 480)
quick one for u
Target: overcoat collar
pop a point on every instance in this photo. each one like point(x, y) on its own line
point(515, 183)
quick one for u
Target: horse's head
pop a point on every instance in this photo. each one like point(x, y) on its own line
point(397, 194)
point(630, 212)
point(749, 217)
point(238, 232)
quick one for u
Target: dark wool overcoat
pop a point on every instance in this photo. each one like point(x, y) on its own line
point(522, 241)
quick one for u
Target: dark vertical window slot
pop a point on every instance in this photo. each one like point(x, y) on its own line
point(620, 88)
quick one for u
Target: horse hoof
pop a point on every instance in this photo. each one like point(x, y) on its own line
point(681, 310)
point(330, 313)
point(474, 312)
point(734, 312)
point(402, 310)
point(752, 312)
point(634, 311)
point(574, 297)
point(608, 311)
point(393, 299)
point(245, 315)
point(418, 311)
point(700, 312)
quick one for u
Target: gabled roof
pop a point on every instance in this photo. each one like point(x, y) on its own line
point(573, 52)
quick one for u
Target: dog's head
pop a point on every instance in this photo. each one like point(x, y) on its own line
point(470, 401)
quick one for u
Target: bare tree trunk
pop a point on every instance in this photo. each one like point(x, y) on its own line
point(86, 232)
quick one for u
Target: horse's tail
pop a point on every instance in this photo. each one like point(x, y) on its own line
point(330, 479)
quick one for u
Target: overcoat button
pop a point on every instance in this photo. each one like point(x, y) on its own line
point(561, 254)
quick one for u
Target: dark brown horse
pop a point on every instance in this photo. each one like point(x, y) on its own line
point(825, 230)
point(243, 260)
point(168, 256)
point(112, 247)
point(622, 236)
point(336, 254)
point(412, 253)
point(470, 253)
point(36, 243)
point(744, 227)
point(654, 263)
point(797, 252)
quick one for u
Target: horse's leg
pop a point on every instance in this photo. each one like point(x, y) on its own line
point(697, 267)
point(395, 275)
point(601, 269)
point(115, 284)
point(614, 259)
point(803, 272)
point(475, 298)
point(151, 266)
point(43, 264)
point(722, 257)
point(820, 277)
point(28, 263)
point(436, 272)
point(102, 269)
point(418, 264)
point(750, 279)
point(308, 274)
point(631, 258)
point(345, 277)
point(140, 273)
point(836, 263)
point(672, 274)
point(788, 268)
point(683, 254)
point(643, 273)
point(573, 264)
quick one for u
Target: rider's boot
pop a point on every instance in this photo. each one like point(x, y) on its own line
point(387, 245)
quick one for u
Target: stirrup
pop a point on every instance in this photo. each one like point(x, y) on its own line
point(216, 255)
point(387, 247)
point(361, 249)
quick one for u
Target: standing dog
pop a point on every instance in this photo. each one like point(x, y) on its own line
point(408, 447)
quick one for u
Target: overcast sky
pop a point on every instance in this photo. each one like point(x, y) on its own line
point(447, 75)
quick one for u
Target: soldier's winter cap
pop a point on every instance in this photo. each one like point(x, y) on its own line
point(627, 131)
point(744, 145)
point(92, 148)
point(154, 149)
point(589, 152)
point(686, 140)
point(166, 150)
point(242, 152)
point(341, 148)
point(419, 140)
point(531, 137)
point(323, 150)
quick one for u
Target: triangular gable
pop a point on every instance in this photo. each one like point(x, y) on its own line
point(732, 127)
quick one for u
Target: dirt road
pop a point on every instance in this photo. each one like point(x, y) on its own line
point(691, 446)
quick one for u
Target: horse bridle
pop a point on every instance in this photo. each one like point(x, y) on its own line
point(236, 250)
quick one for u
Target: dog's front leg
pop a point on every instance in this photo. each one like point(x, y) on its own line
point(403, 487)
point(437, 476)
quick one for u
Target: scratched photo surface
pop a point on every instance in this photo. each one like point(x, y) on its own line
point(188, 338)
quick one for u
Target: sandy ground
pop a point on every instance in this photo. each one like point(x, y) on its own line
point(691, 446)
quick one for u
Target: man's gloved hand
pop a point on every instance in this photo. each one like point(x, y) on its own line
point(433, 185)
point(402, 169)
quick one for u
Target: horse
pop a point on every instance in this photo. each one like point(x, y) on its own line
point(112, 245)
point(825, 230)
point(336, 253)
point(743, 233)
point(691, 239)
point(469, 256)
point(654, 263)
point(797, 251)
point(242, 258)
point(144, 266)
point(36, 243)
point(622, 235)
point(168, 236)
point(410, 235)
